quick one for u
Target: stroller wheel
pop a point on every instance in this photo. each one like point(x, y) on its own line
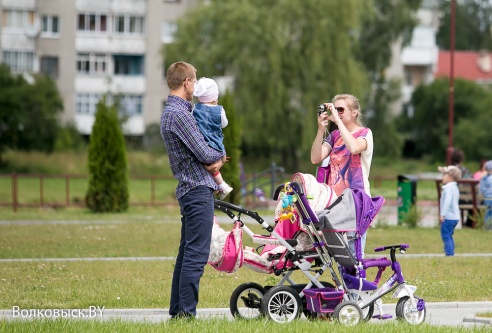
point(405, 311)
point(282, 304)
point(245, 301)
point(348, 313)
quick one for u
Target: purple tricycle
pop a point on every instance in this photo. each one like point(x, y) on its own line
point(336, 233)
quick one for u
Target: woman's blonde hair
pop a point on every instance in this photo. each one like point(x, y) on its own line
point(353, 104)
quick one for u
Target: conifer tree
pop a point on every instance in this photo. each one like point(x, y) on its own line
point(108, 182)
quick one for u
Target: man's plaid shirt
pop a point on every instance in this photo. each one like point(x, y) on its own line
point(186, 147)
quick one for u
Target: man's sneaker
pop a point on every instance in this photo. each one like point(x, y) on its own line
point(225, 192)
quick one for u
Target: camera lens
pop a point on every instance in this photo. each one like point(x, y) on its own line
point(321, 109)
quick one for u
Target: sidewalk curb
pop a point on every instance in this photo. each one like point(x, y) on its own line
point(477, 320)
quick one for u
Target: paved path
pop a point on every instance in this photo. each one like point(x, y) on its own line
point(446, 313)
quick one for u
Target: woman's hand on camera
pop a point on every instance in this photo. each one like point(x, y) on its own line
point(333, 113)
point(323, 121)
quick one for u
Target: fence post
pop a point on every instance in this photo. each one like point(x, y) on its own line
point(14, 192)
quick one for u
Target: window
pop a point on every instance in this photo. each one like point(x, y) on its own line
point(20, 19)
point(129, 25)
point(19, 61)
point(168, 31)
point(128, 65)
point(49, 66)
point(50, 25)
point(91, 63)
point(130, 105)
point(85, 104)
point(92, 22)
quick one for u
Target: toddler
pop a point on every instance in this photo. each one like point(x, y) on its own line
point(449, 206)
point(211, 119)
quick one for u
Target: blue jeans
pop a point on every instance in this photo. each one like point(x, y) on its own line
point(488, 214)
point(351, 243)
point(447, 231)
point(197, 211)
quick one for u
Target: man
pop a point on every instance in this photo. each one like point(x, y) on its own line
point(188, 154)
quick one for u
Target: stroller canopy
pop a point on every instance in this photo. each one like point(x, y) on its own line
point(354, 210)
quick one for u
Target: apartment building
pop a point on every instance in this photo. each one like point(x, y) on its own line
point(415, 63)
point(94, 47)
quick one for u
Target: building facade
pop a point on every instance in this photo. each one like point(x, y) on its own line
point(93, 48)
point(414, 64)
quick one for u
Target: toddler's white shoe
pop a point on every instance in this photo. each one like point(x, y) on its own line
point(225, 192)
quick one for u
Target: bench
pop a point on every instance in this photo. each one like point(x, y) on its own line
point(470, 198)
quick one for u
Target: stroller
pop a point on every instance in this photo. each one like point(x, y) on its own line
point(352, 298)
point(287, 248)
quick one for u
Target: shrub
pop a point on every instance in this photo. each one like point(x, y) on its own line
point(412, 217)
point(108, 180)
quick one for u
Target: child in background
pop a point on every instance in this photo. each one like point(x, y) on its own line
point(211, 118)
point(485, 187)
point(448, 206)
point(481, 172)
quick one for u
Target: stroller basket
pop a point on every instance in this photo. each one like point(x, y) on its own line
point(323, 300)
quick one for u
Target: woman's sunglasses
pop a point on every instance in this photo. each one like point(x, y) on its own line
point(340, 109)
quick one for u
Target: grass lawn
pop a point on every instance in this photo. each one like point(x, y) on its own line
point(218, 325)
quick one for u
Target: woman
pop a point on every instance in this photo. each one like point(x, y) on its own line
point(349, 148)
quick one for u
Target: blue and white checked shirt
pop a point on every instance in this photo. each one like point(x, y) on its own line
point(186, 147)
point(486, 186)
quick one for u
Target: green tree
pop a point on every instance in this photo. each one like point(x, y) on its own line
point(472, 133)
point(232, 142)
point(108, 180)
point(69, 138)
point(44, 105)
point(428, 129)
point(473, 23)
point(286, 57)
point(11, 113)
point(387, 140)
point(28, 112)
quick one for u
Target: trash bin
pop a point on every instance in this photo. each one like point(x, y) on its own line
point(407, 194)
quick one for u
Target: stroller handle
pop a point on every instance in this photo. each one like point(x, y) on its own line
point(226, 207)
point(399, 246)
point(294, 185)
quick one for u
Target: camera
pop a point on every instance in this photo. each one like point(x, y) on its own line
point(321, 108)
